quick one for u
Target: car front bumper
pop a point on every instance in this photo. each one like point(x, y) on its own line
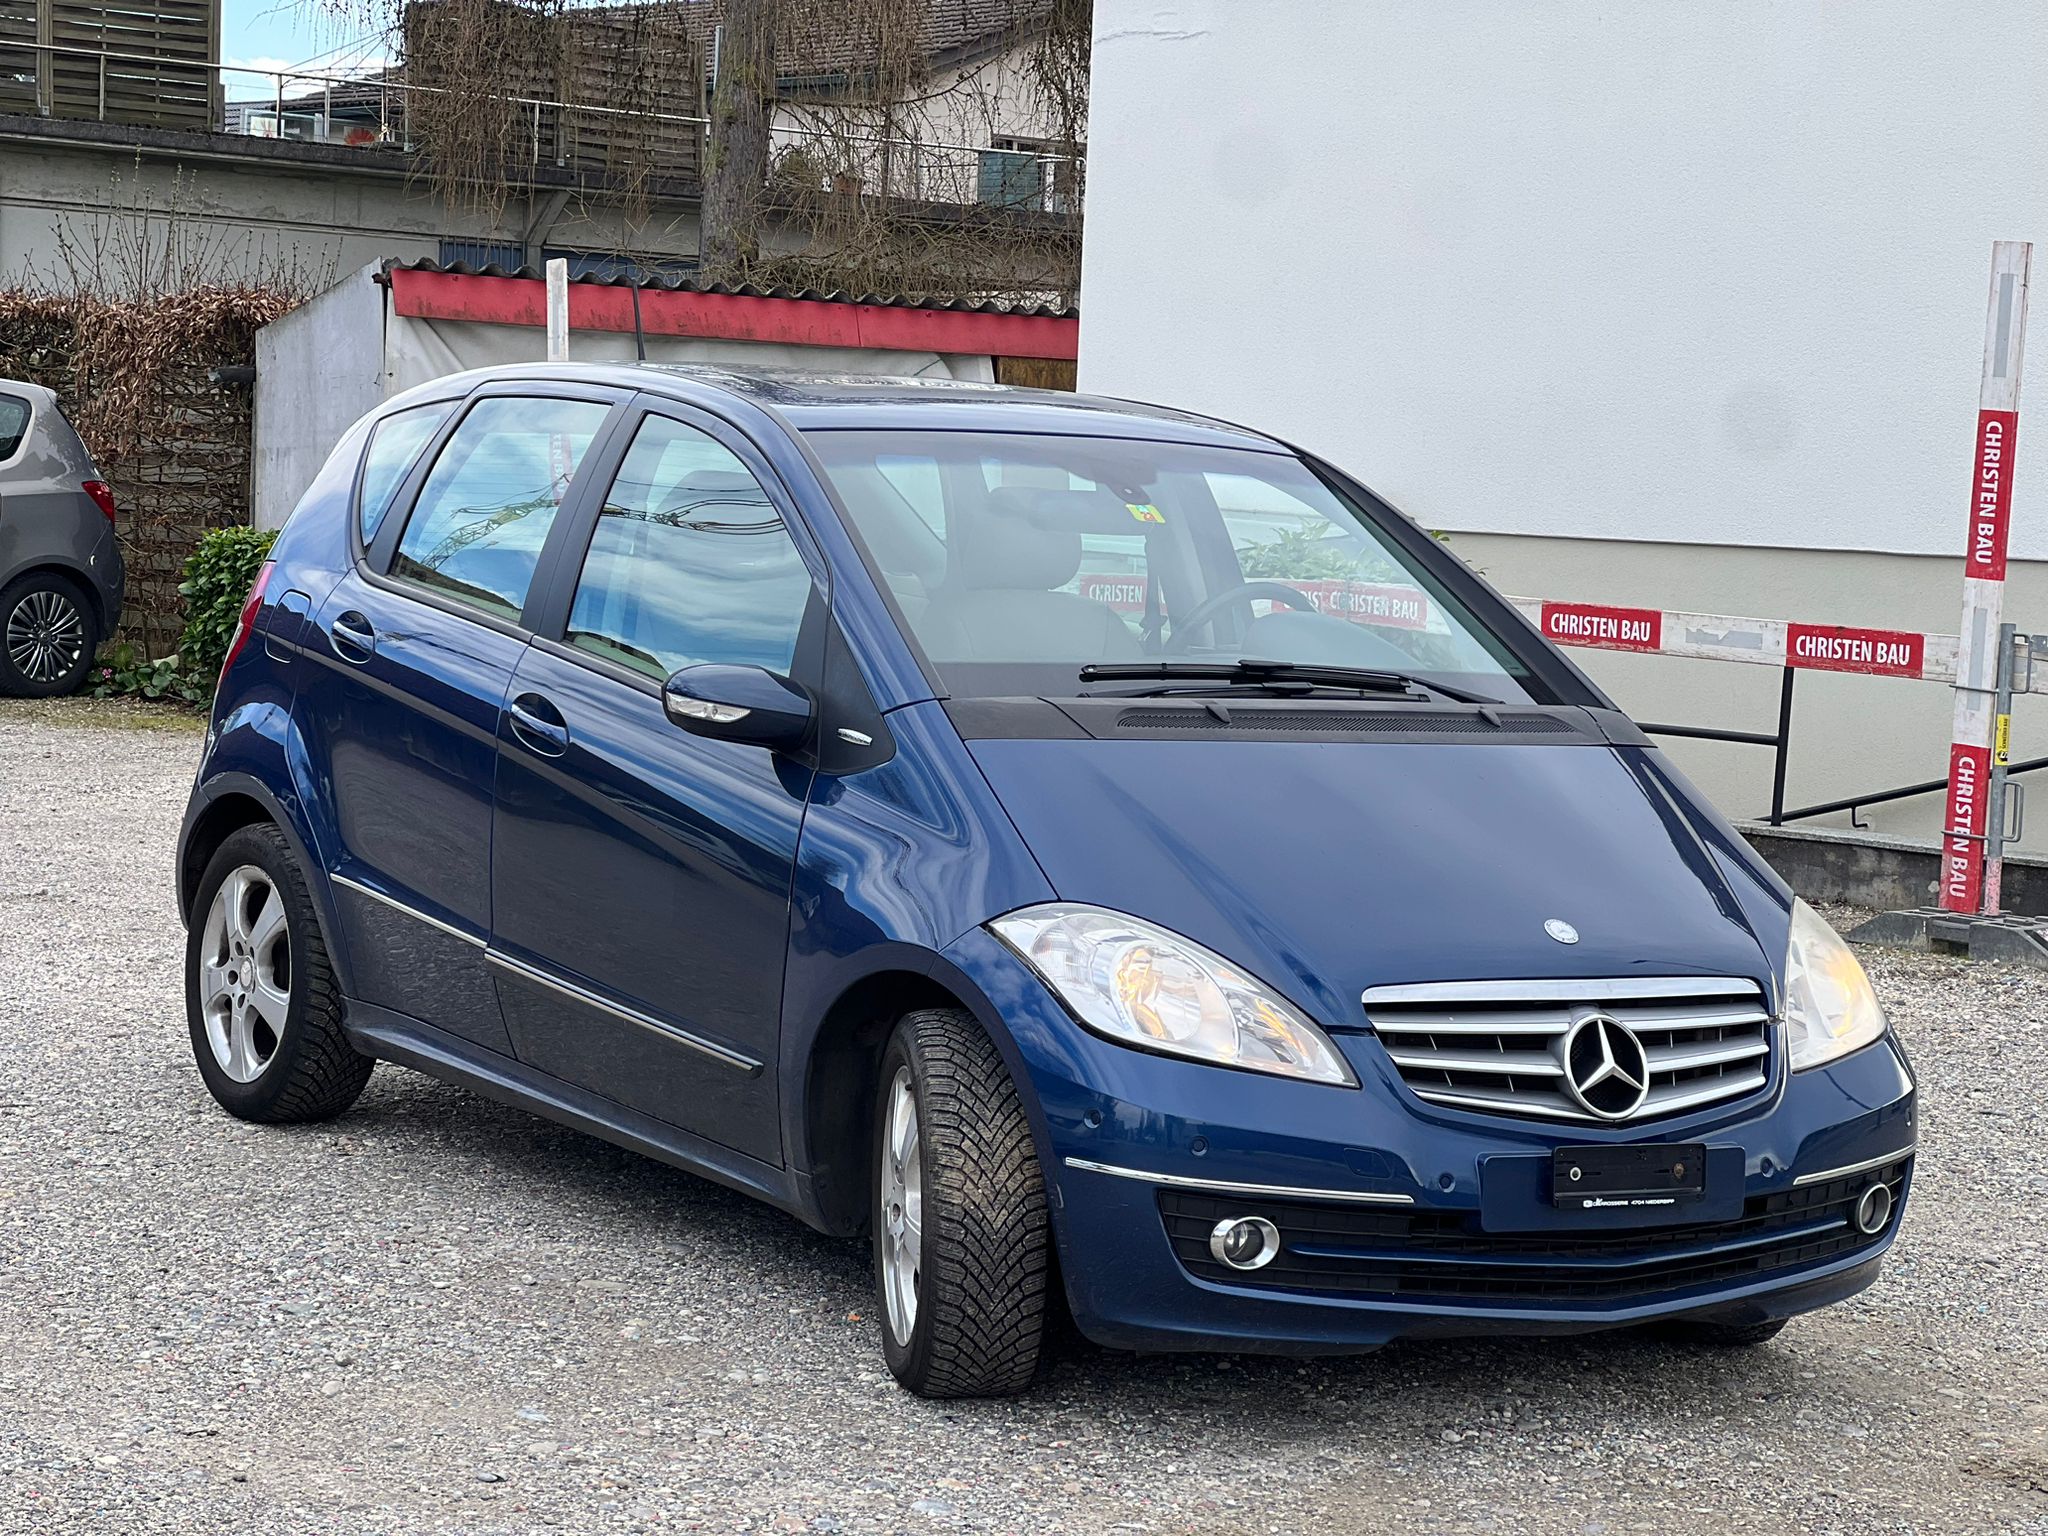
point(1402, 1219)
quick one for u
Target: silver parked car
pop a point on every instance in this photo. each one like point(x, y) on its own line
point(60, 564)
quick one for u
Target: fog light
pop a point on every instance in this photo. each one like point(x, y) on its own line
point(1244, 1242)
point(1873, 1209)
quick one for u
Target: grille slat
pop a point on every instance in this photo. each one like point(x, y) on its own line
point(1500, 1047)
point(1677, 1058)
point(1531, 1063)
point(1664, 1016)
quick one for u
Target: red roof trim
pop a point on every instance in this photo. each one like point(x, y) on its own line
point(733, 317)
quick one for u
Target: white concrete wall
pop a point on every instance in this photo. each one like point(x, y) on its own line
point(1640, 270)
point(257, 219)
point(1662, 304)
point(318, 368)
point(1850, 735)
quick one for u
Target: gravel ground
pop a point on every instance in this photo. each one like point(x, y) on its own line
point(440, 1314)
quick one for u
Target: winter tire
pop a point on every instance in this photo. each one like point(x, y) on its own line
point(962, 1251)
point(260, 995)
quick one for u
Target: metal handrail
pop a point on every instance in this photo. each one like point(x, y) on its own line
point(279, 76)
point(1854, 803)
point(327, 82)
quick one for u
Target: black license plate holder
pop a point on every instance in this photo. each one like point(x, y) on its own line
point(1631, 1176)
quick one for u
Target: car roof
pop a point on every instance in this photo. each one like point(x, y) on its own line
point(821, 402)
point(36, 392)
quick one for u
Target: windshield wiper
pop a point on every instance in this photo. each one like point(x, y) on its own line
point(1254, 673)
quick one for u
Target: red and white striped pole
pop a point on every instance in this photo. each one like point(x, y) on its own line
point(1998, 405)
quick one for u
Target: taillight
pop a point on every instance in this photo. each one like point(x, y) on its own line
point(245, 622)
point(102, 495)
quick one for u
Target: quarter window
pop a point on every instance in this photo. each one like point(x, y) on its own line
point(14, 415)
point(394, 445)
point(491, 497)
point(689, 562)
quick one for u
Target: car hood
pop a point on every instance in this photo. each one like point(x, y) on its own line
point(1327, 868)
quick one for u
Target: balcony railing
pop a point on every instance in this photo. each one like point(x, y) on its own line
point(381, 114)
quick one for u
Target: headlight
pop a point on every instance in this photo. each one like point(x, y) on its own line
point(1829, 1007)
point(1141, 985)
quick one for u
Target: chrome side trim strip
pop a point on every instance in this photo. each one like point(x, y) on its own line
point(475, 940)
point(1225, 1187)
point(1569, 990)
point(602, 1004)
point(1863, 1167)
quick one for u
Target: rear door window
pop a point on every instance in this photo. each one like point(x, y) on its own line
point(477, 529)
point(394, 446)
point(690, 562)
point(14, 415)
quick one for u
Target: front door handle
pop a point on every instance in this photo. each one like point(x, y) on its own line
point(538, 725)
point(354, 639)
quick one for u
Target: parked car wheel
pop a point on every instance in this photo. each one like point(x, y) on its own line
point(961, 1242)
point(1730, 1335)
point(260, 995)
point(47, 636)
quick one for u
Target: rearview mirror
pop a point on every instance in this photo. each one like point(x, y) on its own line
point(732, 703)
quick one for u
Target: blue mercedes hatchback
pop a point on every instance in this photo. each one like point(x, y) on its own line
point(1107, 856)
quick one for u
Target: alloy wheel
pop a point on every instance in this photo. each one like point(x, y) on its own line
point(245, 976)
point(45, 636)
point(902, 1175)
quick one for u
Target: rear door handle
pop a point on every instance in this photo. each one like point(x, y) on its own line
point(538, 725)
point(354, 639)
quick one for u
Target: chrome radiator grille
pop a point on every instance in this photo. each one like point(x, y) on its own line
point(1598, 1051)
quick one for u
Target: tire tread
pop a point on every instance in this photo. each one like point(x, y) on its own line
point(323, 1072)
point(987, 1253)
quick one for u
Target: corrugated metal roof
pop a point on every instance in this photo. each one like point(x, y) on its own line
point(676, 283)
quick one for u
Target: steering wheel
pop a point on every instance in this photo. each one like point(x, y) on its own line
point(1186, 626)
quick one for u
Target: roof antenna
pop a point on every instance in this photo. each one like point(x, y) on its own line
point(639, 336)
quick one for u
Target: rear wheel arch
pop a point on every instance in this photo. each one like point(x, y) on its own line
point(236, 800)
point(224, 815)
point(69, 587)
point(80, 582)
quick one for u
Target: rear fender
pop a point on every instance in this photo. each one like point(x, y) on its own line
point(255, 753)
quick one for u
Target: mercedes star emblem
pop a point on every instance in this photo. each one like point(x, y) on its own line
point(1605, 1066)
point(1561, 930)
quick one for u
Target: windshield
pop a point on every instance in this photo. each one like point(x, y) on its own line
point(1016, 559)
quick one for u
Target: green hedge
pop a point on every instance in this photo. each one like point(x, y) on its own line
point(218, 576)
point(217, 581)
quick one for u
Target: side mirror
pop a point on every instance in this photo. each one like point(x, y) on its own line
point(732, 703)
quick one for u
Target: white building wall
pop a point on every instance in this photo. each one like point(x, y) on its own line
point(1574, 280)
point(962, 110)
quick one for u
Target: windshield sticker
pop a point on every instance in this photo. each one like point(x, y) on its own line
point(1383, 605)
point(1144, 512)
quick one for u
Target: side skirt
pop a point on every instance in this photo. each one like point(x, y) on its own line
point(406, 1041)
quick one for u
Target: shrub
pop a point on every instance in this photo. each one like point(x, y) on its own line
point(217, 580)
point(218, 575)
